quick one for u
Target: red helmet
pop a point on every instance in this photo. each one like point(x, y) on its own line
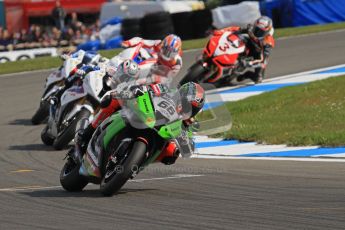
point(170, 47)
point(261, 28)
point(192, 97)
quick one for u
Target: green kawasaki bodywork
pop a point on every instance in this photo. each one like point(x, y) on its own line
point(145, 111)
point(113, 129)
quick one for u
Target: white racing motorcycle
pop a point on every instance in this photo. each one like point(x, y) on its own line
point(56, 80)
point(82, 100)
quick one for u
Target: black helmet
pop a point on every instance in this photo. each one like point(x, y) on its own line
point(192, 97)
point(261, 28)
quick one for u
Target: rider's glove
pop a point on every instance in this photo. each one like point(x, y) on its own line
point(246, 63)
point(80, 72)
point(137, 90)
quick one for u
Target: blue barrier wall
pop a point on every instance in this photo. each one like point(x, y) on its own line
point(308, 12)
point(286, 13)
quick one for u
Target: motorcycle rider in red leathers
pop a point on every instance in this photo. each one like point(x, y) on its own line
point(168, 56)
point(259, 41)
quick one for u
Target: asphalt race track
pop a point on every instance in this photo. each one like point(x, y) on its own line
point(192, 194)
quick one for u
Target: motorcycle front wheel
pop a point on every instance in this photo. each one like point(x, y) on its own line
point(117, 175)
point(66, 135)
point(41, 114)
point(45, 137)
point(70, 179)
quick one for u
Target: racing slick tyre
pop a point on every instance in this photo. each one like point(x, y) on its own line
point(46, 138)
point(196, 73)
point(41, 114)
point(70, 179)
point(116, 175)
point(67, 134)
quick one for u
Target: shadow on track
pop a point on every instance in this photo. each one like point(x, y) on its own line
point(95, 193)
point(24, 122)
point(31, 147)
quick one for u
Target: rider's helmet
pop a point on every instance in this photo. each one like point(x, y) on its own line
point(262, 27)
point(128, 70)
point(171, 46)
point(192, 97)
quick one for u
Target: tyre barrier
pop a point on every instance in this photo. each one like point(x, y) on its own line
point(131, 28)
point(202, 20)
point(183, 25)
point(157, 25)
point(4, 59)
point(194, 24)
point(187, 25)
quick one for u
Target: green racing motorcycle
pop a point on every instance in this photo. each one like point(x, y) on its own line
point(126, 142)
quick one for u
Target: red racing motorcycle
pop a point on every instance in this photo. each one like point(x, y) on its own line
point(221, 60)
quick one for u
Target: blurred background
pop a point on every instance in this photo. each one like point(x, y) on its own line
point(50, 26)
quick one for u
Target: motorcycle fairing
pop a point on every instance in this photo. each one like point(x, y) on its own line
point(93, 83)
point(54, 77)
point(104, 133)
point(72, 94)
point(171, 130)
point(224, 51)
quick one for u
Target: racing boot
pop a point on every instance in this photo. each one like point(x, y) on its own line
point(169, 154)
point(82, 138)
point(257, 77)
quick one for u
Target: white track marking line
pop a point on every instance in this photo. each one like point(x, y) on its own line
point(37, 187)
point(311, 159)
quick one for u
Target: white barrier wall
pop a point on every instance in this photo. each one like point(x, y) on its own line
point(137, 9)
point(17, 55)
point(240, 14)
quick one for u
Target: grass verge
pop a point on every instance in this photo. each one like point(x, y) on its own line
point(50, 62)
point(308, 114)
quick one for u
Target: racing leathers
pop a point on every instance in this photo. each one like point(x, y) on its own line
point(167, 68)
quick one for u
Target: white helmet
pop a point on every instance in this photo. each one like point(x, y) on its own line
point(128, 70)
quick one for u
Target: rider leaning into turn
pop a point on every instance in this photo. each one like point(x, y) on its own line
point(259, 41)
point(192, 100)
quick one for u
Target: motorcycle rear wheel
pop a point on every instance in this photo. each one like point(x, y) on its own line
point(119, 175)
point(196, 74)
